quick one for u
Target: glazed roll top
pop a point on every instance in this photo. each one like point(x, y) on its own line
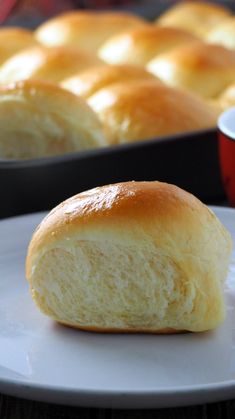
point(199, 67)
point(85, 29)
point(223, 34)
point(145, 109)
point(195, 16)
point(14, 39)
point(92, 80)
point(50, 64)
point(131, 257)
point(139, 45)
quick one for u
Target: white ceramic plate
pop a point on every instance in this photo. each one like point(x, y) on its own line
point(44, 361)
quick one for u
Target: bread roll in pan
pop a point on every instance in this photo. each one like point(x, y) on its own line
point(189, 161)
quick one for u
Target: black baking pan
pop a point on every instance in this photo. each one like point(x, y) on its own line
point(189, 161)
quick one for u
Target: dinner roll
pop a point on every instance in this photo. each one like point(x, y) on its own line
point(139, 45)
point(85, 29)
point(223, 34)
point(131, 257)
point(39, 119)
point(12, 40)
point(227, 97)
point(202, 68)
point(195, 16)
point(90, 81)
point(145, 109)
point(52, 64)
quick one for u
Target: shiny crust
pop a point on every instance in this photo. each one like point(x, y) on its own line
point(145, 109)
point(197, 17)
point(90, 81)
point(13, 39)
point(127, 203)
point(223, 34)
point(77, 28)
point(52, 64)
point(139, 45)
point(202, 68)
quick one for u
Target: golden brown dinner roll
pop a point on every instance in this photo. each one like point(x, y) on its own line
point(52, 64)
point(131, 257)
point(202, 68)
point(39, 119)
point(145, 109)
point(223, 34)
point(139, 45)
point(13, 39)
point(195, 16)
point(85, 29)
point(90, 81)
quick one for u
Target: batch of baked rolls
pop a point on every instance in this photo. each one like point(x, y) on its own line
point(88, 79)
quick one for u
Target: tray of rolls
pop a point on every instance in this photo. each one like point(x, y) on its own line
point(94, 97)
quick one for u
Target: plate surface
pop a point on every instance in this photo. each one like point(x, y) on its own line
point(44, 361)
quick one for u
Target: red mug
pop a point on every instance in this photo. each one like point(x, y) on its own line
point(226, 128)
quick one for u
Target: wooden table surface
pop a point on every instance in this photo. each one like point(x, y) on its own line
point(13, 408)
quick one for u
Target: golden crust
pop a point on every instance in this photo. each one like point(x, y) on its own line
point(52, 64)
point(77, 28)
point(39, 90)
point(139, 45)
point(223, 34)
point(197, 17)
point(13, 39)
point(90, 81)
point(142, 202)
point(145, 109)
point(199, 67)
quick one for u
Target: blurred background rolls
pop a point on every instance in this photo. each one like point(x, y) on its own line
point(14, 39)
point(145, 109)
point(195, 16)
point(139, 45)
point(197, 66)
point(223, 34)
point(227, 97)
point(85, 29)
point(40, 119)
point(90, 81)
point(51, 64)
